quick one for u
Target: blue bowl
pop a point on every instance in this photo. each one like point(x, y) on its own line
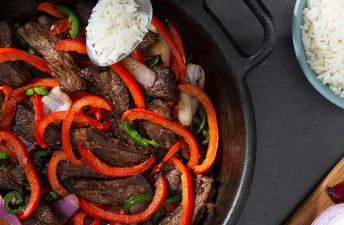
point(324, 90)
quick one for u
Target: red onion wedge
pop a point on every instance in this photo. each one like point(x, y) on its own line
point(187, 105)
point(7, 218)
point(333, 215)
point(28, 145)
point(141, 73)
point(68, 206)
point(336, 193)
point(56, 101)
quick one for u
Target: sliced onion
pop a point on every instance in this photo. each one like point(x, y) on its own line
point(68, 206)
point(333, 215)
point(187, 105)
point(6, 216)
point(28, 145)
point(152, 28)
point(56, 101)
point(141, 73)
point(165, 52)
point(336, 193)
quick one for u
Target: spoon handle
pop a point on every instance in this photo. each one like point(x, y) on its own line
point(318, 201)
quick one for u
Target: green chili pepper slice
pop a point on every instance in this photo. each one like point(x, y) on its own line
point(31, 51)
point(41, 153)
point(39, 91)
point(3, 155)
point(136, 137)
point(136, 200)
point(205, 134)
point(13, 199)
point(51, 196)
point(153, 61)
point(203, 120)
point(72, 18)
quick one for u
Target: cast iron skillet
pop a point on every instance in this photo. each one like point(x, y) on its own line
point(226, 68)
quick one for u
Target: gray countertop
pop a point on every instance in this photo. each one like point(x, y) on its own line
point(299, 133)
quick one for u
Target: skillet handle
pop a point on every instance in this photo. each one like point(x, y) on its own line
point(248, 62)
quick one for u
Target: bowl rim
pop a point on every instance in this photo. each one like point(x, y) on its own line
point(323, 89)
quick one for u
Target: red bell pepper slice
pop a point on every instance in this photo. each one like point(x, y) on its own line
point(173, 150)
point(96, 222)
point(9, 107)
point(138, 56)
point(52, 176)
point(181, 67)
point(39, 82)
point(13, 54)
point(67, 122)
point(39, 110)
point(199, 94)
point(79, 218)
point(59, 27)
point(59, 116)
point(153, 117)
point(50, 9)
point(79, 94)
point(17, 149)
point(104, 169)
point(70, 45)
point(97, 212)
point(131, 84)
point(177, 39)
point(187, 195)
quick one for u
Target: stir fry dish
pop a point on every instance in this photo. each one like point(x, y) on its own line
point(131, 143)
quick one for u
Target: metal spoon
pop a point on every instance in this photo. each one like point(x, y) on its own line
point(144, 6)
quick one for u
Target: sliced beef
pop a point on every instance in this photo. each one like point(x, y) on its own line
point(13, 74)
point(12, 177)
point(164, 87)
point(164, 137)
point(108, 149)
point(204, 190)
point(36, 34)
point(45, 214)
point(149, 39)
point(84, 10)
point(173, 179)
point(24, 125)
point(66, 170)
point(109, 192)
point(107, 84)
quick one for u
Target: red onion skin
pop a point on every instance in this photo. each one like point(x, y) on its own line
point(68, 206)
point(336, 193)
point(6, 216)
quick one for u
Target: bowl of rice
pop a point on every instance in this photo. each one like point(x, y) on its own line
point(318, 37)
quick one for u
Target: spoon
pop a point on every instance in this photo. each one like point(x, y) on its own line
point(144, 6)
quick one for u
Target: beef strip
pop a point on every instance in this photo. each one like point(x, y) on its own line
point(24, 125)
point(204, 191)
point(108, 192)
point(164, 87)
point(108, 85)
point(13, 74)
point(84, 10)
point(173, 180)
point(108, 149)
point(149, 39)
point(164, 137)
point(66, 170)
point(12, 177)
point(36, 34)
point(45, 214)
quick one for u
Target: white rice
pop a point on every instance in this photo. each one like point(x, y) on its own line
point(323, 40)
point(114, 28)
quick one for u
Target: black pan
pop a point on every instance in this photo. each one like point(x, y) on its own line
point(226, 68)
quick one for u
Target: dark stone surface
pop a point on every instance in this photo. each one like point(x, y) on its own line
point(299, 132)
